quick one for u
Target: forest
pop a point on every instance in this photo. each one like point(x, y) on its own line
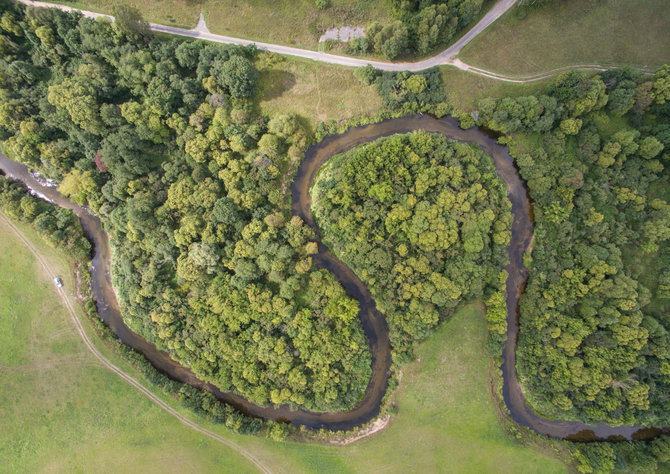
point(594, 151)
point(425, 222)
point(160, 138)
point(420, 27)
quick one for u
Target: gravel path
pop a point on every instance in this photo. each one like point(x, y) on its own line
point(446, 57)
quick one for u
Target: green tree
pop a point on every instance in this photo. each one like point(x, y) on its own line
point(237, 76)
point(128, 20)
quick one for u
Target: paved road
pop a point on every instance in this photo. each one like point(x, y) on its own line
point(200, 32)
point(446, 57)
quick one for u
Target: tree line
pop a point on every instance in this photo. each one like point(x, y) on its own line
point(59, 227)
point(419, 27)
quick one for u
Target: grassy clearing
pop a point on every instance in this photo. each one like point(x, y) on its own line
point(319, 92)
point(571, 32)
point(314, 91)
point(297, 23)
point(446, 419)
point(464, 89)
point(62, 411)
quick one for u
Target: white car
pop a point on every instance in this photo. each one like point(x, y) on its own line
point(58, 282)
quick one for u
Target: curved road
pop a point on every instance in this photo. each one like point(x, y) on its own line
point(446, 57)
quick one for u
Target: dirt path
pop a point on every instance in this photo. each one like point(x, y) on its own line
point(134, 383)
point(201, 32)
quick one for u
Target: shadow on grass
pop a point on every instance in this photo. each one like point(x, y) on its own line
point(276, 82)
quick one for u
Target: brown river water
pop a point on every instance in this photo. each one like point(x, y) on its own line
point(374, 323)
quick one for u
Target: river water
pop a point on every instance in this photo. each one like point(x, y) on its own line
point(374, 323)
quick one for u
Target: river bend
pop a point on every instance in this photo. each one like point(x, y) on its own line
point(374, 323)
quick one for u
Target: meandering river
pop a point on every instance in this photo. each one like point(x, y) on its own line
point(374, 323)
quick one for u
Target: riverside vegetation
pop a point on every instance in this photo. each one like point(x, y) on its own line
point(94, 427)
point(63, 420)
point(61, 229)
point(594, 319)
point(594, 342)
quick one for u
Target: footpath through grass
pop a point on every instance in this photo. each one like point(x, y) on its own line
point(319, 92)
point(465, 89)
point(571, 32)
point(62, 411)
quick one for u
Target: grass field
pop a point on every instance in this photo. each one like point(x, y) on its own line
point(297, 23)
point(446, 419)
point(62, 411)
point(571, 32)
point(315, 91)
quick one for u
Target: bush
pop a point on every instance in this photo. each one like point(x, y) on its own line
point(366, 74)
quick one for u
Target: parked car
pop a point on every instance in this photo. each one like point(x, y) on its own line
point(58, 282)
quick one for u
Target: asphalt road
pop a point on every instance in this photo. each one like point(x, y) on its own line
point(200, 32)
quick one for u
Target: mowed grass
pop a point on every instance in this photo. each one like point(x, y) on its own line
point(315, 91)
point(319, 92)
point(295, 22)
point(573, 32)
point(60, 410)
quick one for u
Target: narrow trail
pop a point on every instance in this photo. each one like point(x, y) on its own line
point(526, 78)
point(134, 383)
point(448, 57)
point(540, 76)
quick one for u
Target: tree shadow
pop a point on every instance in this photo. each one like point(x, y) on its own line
point(276, 82)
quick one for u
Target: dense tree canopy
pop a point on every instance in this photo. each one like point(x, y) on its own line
point(59, 227)
point(420, 26)
point(594, 319)
point(424, 221)
point(160, 139)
